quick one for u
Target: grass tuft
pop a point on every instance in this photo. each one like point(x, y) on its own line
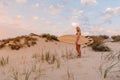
point(27, 75)
point(116, 38)
point(98, 44)
point(47, 56)
point(15, 75)
point(4, 61)
point(49, 37)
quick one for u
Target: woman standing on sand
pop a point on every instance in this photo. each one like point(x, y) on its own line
point(78, 46)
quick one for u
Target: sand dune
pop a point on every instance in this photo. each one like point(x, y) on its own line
point(28, 60)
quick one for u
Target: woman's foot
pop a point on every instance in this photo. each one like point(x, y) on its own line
point(79, 56)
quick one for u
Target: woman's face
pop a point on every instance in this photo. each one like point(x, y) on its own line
point(77, 29)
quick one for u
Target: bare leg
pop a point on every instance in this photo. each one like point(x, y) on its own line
point(78, 50)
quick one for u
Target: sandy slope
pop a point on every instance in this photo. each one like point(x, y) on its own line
point(85, 68)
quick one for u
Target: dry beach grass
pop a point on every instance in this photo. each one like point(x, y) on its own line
point(50, 59)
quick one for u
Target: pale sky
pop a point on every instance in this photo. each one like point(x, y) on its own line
point(95, 17)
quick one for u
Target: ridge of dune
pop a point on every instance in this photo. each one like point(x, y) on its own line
point(27, 59)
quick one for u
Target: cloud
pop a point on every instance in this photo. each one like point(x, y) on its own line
point(35, 18)
point(65, 1)
point(113, 32)
point(71, 28)
point(7, 18)
point(86, 33)
point(37, 5)
point(91, 30)
point(102, 31)
point(3, 4)
point(111, 12)
point(17, 19)
point(21, 1)
point(74, 24)
point(89, 2)
point(55, 9)
point(12, 30)
point(49, 24)
point(19, 16)
point(74, 18)
point(76, 15)
point(77, 12)
point(4, 17)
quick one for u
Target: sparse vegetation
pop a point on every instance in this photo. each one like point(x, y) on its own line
point(48, 61)
point(98, 44)
point(100, 47)
point(51, 58)
point(32, 34)
point(18, 42)
point(109, 64)
point(4, 61)
point(15, 47)
point(27, 75)
point(49, 37)
point(15, 75)
point(35, 56)
point(58, 63)
point(98, 39)
point(25, 41)
point(42, 58)
point(104, 36)
point(33, 43)
point(116, 38)
point(34, 68)
point(70, 76)
point(69, 54)
point(2, 45)
point(47, 56)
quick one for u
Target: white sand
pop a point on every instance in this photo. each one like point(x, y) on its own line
point(85, 68)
